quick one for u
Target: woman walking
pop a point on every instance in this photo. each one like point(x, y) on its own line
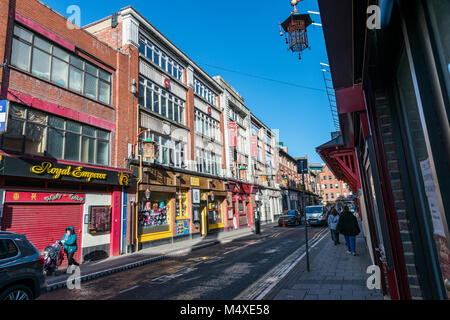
point(70, 245)
point(348, 226)
point(333, 220)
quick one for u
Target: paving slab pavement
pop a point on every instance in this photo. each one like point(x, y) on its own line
point(335, 275)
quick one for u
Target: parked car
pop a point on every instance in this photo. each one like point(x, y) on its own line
point(316, 215)
point(21, 268)
point(290, 218)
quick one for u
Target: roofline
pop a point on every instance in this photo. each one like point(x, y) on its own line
point(229, 87)
point(287, 154)
point(131, 10)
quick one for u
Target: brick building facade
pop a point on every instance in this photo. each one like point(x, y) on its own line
point(333, 189)
point(61, 154)
point(392, 98)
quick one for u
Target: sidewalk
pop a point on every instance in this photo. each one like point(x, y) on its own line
point(112, 265)
point(335, 275)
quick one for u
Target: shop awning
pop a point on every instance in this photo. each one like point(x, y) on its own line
point(341, 161)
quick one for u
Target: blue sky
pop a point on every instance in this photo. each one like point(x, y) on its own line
point(244, 36)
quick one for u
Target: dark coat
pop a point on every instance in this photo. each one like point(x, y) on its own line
point(348, 224)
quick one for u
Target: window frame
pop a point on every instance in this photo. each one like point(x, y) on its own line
point(177, 70)
point(47, 126)
point(158, 92)
point(11, 257)
point(32, 46)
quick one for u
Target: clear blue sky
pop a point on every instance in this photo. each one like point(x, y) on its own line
point(243, 36)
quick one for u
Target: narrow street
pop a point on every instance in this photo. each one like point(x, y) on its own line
point(220, 272)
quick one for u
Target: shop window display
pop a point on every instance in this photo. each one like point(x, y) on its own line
point(215, 212)
point(181, 206)
point(154, 215)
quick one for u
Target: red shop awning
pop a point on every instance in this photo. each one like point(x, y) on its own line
point(341, 161)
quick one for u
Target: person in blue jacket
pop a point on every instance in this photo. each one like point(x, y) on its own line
point(70, 245)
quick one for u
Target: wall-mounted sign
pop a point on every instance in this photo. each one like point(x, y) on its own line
point(209, 110)
point(99, 219)
point(30, 168)
point(182, 227)
point(195, 182)
point(43, 197)
point(196, 196)
point(254, 146)
point(167, 83)
point(47, 168)
point(232, 133)
point(3, 104)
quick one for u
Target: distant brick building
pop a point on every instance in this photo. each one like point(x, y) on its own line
point(333, 189)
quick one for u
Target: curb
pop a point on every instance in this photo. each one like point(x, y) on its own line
point(99, 274)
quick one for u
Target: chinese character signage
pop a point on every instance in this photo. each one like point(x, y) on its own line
point(43, 197)
point(195, 182)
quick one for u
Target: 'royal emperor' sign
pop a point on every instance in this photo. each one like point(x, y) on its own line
point(30, 168)
point(47, 168)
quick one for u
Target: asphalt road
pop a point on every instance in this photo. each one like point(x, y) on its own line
point(220, 272)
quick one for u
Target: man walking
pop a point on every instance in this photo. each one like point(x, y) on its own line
point(348, 226)
point(333, 220)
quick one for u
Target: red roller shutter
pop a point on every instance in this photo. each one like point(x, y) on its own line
point(43, 224)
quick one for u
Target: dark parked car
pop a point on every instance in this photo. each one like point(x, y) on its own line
point(290, 218)
point(21, 268)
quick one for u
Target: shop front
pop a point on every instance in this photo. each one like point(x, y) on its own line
point(42, 198)
point(210, 201)
point(293, 199)
point(174, 205)
point(241, 200)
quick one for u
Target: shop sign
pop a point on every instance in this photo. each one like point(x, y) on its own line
point(182, 227)
point(195, 182)
point(47, 168)
point(43, 197)
point(196, 196)
point(31, 168)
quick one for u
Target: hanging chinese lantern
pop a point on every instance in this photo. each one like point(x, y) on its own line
point(243, 172)
point(150, 149)
point(295, 30)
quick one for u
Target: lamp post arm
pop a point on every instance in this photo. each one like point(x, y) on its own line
point(137, 138)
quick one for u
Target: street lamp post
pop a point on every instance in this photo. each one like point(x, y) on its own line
point(306, 221)
point(302, 167)
point(136, 222)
